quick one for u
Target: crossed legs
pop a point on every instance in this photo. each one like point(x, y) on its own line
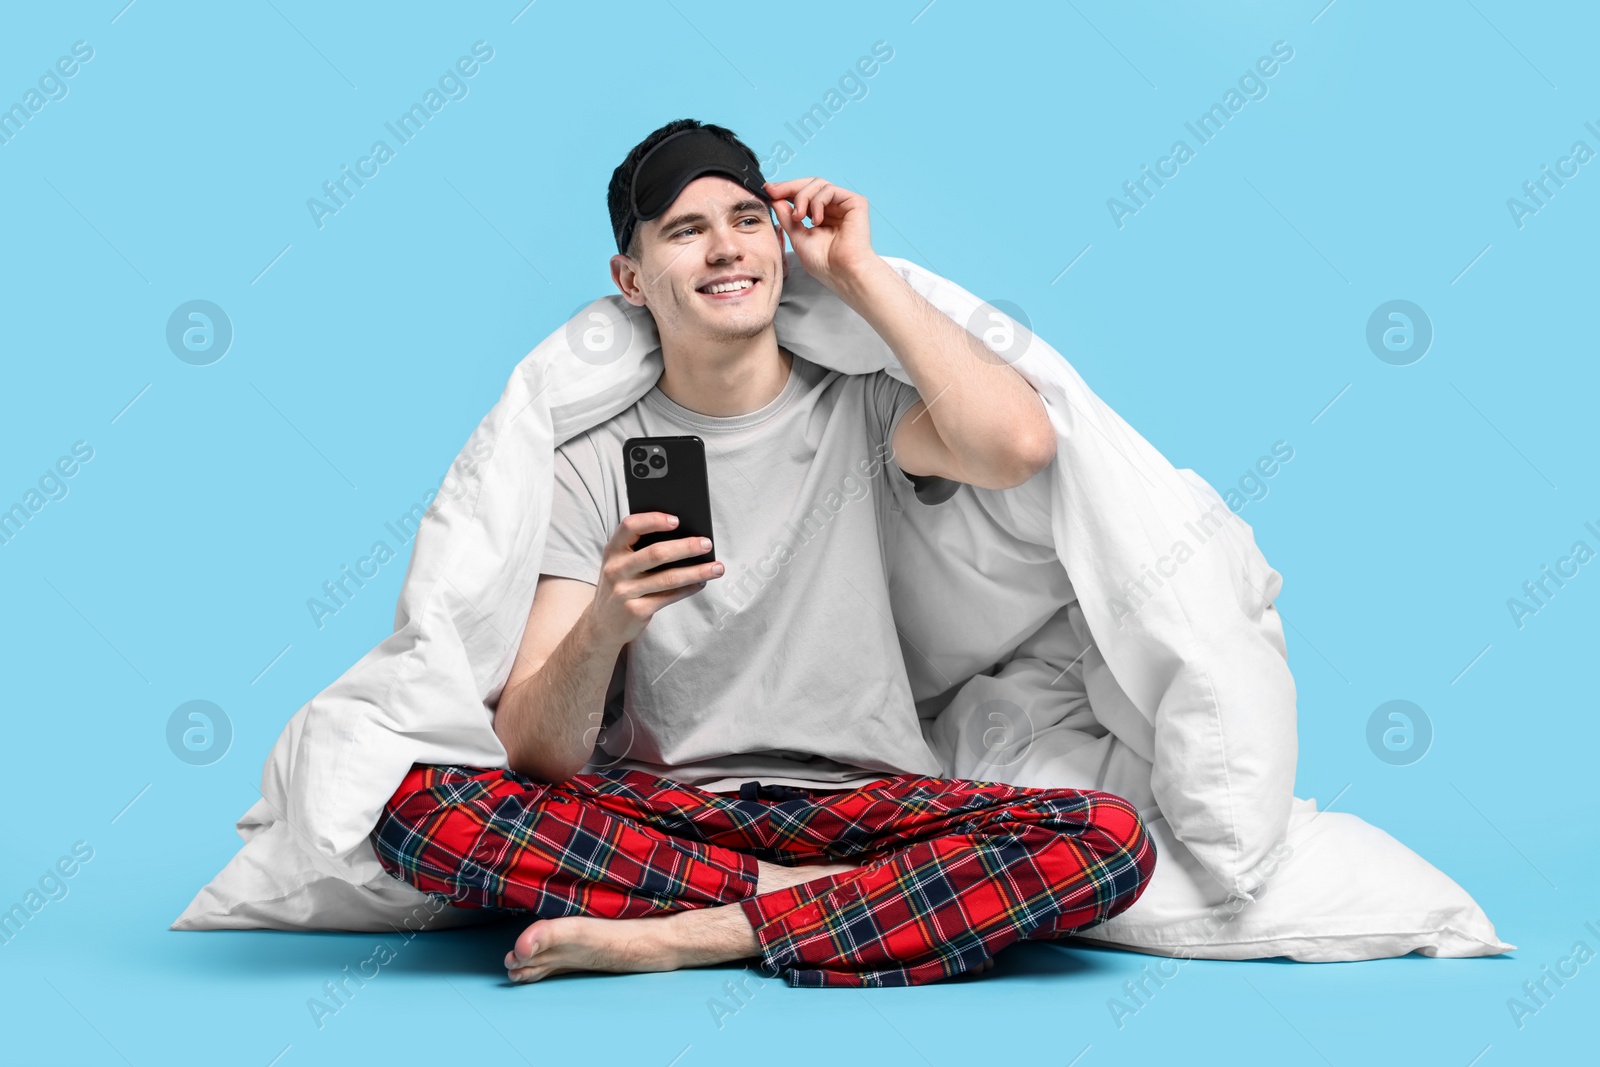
point(695, 938)
point(907, 881)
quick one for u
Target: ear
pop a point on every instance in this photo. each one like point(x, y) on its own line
point(625, 273)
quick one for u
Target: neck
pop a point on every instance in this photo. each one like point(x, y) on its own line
point(724, 379)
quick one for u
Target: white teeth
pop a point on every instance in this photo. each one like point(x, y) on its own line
point(728, 287)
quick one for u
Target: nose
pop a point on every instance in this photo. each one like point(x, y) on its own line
point(724, 244)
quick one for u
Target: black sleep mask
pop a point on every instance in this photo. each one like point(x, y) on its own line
point(677, 160)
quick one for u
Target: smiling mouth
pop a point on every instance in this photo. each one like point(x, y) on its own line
point(726, 291)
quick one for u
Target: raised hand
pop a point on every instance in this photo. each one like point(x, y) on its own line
point(837, 246)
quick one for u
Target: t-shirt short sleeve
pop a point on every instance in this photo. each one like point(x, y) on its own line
point(888, 400)
point(576, 541)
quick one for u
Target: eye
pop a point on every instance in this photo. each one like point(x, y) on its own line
point(683, 231)
point(750, 218)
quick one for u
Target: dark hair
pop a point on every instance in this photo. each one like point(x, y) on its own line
point(622, 177)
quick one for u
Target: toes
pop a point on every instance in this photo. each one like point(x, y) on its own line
point(527, 943)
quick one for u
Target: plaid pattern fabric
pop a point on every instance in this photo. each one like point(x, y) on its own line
point(950, 871)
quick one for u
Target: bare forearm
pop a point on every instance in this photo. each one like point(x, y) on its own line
point(987, 413)
point(549, 722)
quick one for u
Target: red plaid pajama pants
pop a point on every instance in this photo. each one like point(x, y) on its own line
point(951, 871)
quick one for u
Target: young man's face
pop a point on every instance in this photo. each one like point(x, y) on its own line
point(715, 232)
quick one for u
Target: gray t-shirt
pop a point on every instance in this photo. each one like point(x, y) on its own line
point(787, 668)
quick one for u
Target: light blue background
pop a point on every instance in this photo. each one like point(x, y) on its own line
point(1228, 314)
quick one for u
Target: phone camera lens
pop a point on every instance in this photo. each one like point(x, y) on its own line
point(638, 454)
point(658, 462)
point(640, 470)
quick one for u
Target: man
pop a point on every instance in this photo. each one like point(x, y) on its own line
point(762, 786)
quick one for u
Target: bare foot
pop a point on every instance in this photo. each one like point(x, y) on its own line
point(656, 943)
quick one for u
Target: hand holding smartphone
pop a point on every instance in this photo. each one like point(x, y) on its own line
point(668, 474)
point(651, 560)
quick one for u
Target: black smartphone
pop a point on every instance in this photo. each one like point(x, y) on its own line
point(669, 474)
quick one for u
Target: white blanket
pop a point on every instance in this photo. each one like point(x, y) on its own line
point(1139, 567)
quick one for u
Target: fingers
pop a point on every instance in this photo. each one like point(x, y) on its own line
point(801, 191)
point(627, 565)
point(782, 209)
point(668, 579)
point(790, 222)
point(820, 199)
point(806, 198)
point(672, 596)
point(632, 559)
point(632, 527)
point(664, 552)
point(786, 190)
